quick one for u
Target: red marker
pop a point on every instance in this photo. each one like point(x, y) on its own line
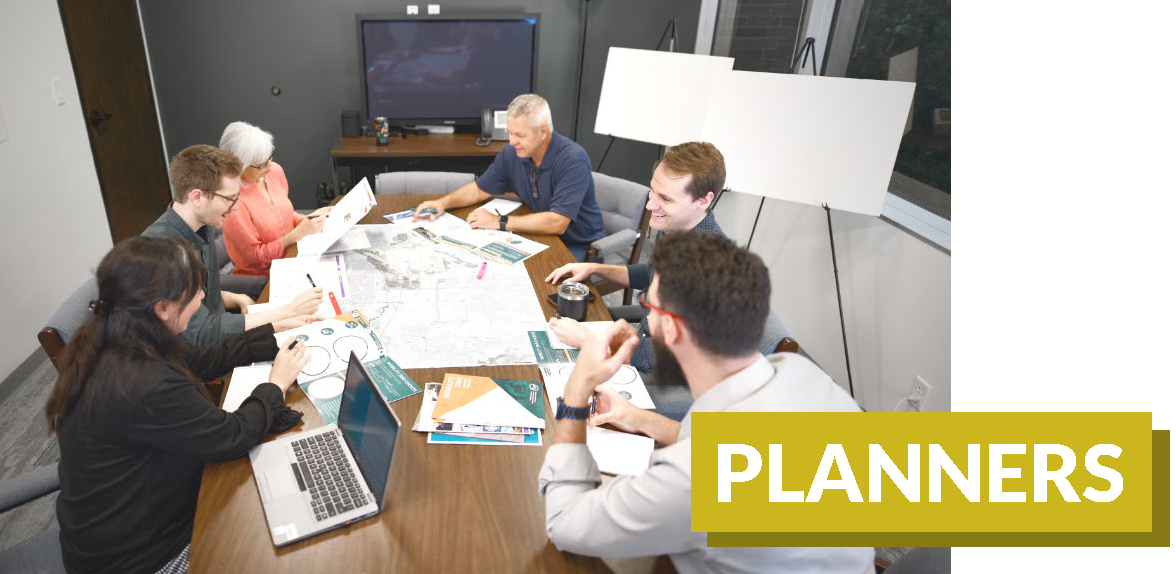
point(335, 303)
point(482, 270)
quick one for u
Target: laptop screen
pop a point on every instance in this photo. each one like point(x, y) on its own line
point(369, 427)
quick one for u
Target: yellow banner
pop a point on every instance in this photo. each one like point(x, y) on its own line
point(929, 479)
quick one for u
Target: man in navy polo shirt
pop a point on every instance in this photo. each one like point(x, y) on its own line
point(550, 173)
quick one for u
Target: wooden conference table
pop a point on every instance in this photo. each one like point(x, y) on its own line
point(449, 508)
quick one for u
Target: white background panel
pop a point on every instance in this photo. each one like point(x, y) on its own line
point(656, 97)
point(807, 139)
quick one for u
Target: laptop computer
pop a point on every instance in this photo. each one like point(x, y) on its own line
point(317, 480)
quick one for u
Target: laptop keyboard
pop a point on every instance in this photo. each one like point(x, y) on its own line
point(328, 476)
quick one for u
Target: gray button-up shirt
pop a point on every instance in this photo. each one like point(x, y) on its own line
point(211, 322)
point(650, 514)
point(640, 276)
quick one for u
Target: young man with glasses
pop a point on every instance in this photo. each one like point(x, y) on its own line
point(550, 173)
point(708, 301)
point(205, 185)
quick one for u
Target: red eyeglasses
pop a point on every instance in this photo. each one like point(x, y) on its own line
point(644, 301)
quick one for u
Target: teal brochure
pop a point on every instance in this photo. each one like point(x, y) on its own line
point(545, 353)
point(326, 392)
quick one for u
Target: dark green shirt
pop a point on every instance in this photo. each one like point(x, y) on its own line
point(211, 322)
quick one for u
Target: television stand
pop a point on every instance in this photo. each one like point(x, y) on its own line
point(361, 157)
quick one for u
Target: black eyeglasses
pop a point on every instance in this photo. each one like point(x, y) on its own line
point(232, 200)
point(644, 301)
point(266, 162)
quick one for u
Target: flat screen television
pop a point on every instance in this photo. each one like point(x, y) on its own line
point(445, 70)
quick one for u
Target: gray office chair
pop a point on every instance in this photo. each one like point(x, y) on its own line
point(41, 553)
point(923, 560)
point(423, 182)
point(776, 338)
point(67, 319)
point(622, 206)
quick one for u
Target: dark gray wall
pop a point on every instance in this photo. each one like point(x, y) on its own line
point(214, 61)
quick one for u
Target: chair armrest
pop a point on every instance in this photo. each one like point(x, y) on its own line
point(28, 486)
point(615, 242)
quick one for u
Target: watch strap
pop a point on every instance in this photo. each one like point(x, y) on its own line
point(502, 222)
point(563, 411)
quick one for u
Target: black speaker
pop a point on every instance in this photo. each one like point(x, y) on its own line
point(351, 124)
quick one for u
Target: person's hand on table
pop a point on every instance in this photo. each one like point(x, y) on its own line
point(612, 408)
point(294, 322)
point(431, 204)
point(288, 363)
point(580, 272)
point(305, 303)
point(236, 300)
point(482, 219)
point(598, 362)
point(569, 331)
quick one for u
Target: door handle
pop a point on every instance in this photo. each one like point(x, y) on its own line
point(97, 117)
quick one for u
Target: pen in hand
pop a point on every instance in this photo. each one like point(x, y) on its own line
point(308, 278)
point(291, 347)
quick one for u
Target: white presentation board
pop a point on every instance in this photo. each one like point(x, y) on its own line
point(656, 97)
point(812, 140)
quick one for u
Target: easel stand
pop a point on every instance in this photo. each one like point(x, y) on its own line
point(840, 307)
point(671, 29)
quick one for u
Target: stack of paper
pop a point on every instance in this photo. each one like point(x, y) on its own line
point(345, 214)
point(450, 231)
point(469, 409)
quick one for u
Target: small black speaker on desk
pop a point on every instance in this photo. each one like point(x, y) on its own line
point(351, 124)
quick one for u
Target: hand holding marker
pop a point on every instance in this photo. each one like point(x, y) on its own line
point(331, 294)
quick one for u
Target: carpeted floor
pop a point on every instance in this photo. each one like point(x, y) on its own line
point(25, 444)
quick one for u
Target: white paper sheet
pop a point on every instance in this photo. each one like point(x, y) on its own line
point(242, 383)
point(330, 343)
point(657, 97)
point(355, 238)
point(627, 381)
point(288, 279)
point(501, 206)
point(345, 214)
point(618, 452)
point(812, 140)
point(591, 325)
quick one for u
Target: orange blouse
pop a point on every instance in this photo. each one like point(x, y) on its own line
point(254, 230)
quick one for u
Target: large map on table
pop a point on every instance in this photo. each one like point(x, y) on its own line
point(429, 307)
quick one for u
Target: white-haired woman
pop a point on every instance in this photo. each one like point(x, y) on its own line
point(264, 223)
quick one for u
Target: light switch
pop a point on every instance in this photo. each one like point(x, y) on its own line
point(58, 94)
point(434, 8)
point(413, 9)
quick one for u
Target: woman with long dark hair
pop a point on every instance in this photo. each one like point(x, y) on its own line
point(133, 420)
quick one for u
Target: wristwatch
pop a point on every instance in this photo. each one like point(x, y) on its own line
point(502, 222)
point(563, 411)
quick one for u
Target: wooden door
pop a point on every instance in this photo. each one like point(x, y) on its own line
point(110, 64)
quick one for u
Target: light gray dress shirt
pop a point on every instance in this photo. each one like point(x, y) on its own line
point(649, 514)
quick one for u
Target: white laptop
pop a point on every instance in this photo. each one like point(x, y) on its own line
point(324, 478)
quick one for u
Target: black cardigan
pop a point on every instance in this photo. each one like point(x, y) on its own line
point(131, 465)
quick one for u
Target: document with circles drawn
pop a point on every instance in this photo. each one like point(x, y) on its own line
point(626, 382)
point(330, 342)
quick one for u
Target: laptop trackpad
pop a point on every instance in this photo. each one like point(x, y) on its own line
point(279, 483)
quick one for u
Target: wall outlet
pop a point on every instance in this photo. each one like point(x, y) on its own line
point(920, 390)
point(434, 9)
point(413, 9)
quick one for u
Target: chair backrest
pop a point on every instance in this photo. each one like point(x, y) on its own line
point(405, 182)
point(622, 202)
point(776, 338)
point(69, 316)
